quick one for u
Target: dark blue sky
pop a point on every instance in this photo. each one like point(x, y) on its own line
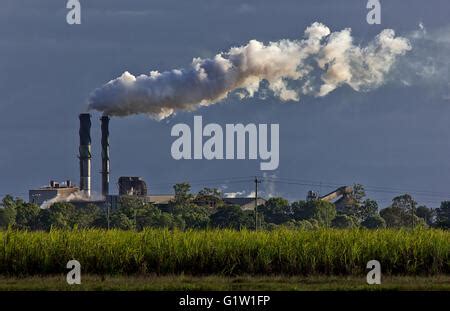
point(394, 137)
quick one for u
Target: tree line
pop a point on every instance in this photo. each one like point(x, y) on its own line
point(207, 209)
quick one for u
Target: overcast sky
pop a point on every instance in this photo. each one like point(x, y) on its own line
point(395, 137)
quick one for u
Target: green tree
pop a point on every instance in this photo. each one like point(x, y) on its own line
point(18, 214)
point(358, 207)
point(324, 213)
point(321, 211)
point(232, 217)
point(209, 197)
point(26, 216)
point(374, 222)
point(276, 210)
point(182, 195)
point(148, 216)
point(393, 216)
point(130, 205)
point(153, 217)
point(427, 214)
point(194, 217)
point(405, 203)
point(119, 220)
point(179, 222)
point(343, 222)
point(58, 215)
point(135, 213)
point(401, 213)
point(7, 217)
point(443, 215)
point(353, 201)
point(8, 212)
point(213, 192)
point(166, 220)
point(396, 217)
point(86, 216)
point(248, 221)
point(368, 209)
point(301, 224)
point(363, 210)
point(302, 210)
point(358, 194)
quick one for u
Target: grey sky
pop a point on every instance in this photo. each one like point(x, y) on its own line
point(395, 137)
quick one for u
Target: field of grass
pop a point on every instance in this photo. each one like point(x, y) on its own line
point(223, 283)
point(226, 252)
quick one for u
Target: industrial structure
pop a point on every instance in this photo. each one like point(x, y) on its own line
point(136, 186)
point(344, 196)
point(85, 154)
point(105, 155)
point(132, 186)
point(128, 185)
point(54, 190)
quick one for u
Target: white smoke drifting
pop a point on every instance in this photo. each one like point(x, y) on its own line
point(75, 196)
point(316, 65)
point(239, 194)
point(428, 65)
point(236, 194)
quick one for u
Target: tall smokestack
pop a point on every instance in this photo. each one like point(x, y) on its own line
point(85, 153)
point(105, 155)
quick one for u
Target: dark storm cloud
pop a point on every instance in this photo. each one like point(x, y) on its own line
point(395, 136)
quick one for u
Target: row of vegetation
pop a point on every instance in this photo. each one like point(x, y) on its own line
point(226, 252)
point(207, 209)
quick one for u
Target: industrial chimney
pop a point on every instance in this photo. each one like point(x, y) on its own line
point(85, 153)
point(105, 155)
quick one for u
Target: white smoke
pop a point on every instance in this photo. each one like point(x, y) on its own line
point(315, 65)
point(269, 185)
point(239, 194)
point(428, 65)
point(75, 196)
point(252, 194)
point(231, 195)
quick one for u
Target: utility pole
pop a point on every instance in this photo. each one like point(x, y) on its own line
point(107, 213)
point(256, 202)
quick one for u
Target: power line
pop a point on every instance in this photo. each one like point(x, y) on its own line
point(222, 179)
point(367, 188)
point(428, 196)
point(334, 184)
point(309, 183)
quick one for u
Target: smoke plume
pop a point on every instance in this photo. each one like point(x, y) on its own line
point(315, 65)
point(76, 196)
point(428, 65)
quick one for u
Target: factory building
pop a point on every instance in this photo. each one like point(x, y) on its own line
point(132, 186)
point(52, 191)
point(127, 185)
